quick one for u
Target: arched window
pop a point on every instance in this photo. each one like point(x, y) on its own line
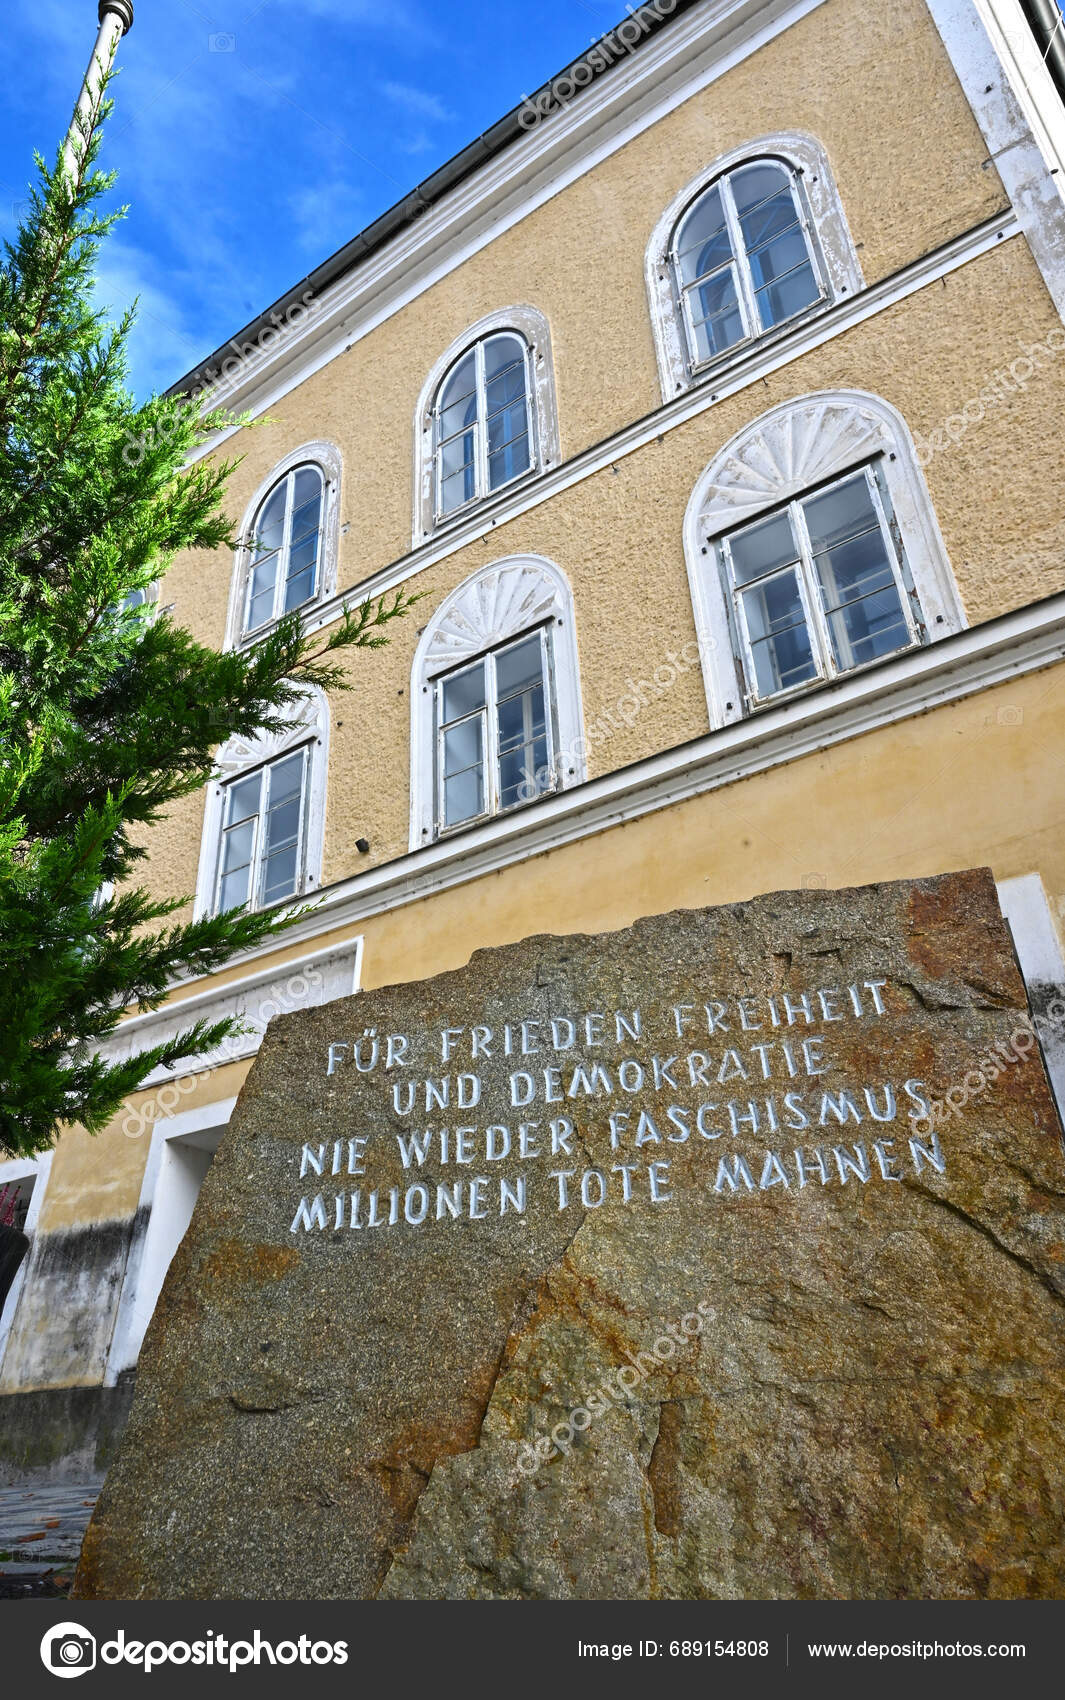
point(289, 538)
point(264, 817)
point(812, 552)
point(485, 418)
point(495, 698)
point(743, 259)
point(482, 427)
point(284, 545)
point(755, 243)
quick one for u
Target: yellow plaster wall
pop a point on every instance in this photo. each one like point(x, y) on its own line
point(996, 492)
point(976, 783)
point(872, 83)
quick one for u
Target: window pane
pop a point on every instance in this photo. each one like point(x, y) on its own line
point(839, 513)
point(520, 664)
point(456, 490)
point(778, 258)
point(781, 300)
point(773, 605)
point(299, 589)
point(457, 454)
point(768, 222)
point(269, 528)
point(261, 592)
point(523, 774)
point(279, 874)
point(761, 548)
point(521, 718)
point(462, 745)
point(458, 399)
point(508, 462)
point(283, 824)
point(233, 892)
point(716, 314)
point(242, 798)
point(703, 241)
point(873, 626)
point(237, 846)
point(463, 692)
point(783, 661)
point(306, 488)
point(305, 521)
point(506, 426)
point(851, 554)
point(286, 779)
point(754, 183)
point(463, 796)
point(501, 352)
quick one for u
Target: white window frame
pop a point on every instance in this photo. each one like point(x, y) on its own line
point(490, 731)
point(833, 254)
point(257, 861)
point(746, 294)
point(786, 453)
point(815, 618)
point(19, 1169)
point(284, 552)
point(503, 601)
point(530, 326)
point(326, 458)
point(238, 759)
point(482, 490)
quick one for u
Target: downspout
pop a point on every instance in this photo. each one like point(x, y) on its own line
point(1048, 26)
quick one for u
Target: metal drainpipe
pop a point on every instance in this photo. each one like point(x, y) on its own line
point(1048, 27)
point(116, 19)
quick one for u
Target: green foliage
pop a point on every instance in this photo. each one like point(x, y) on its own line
point(108, 714)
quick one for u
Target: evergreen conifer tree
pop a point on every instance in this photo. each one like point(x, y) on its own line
point(109, 712)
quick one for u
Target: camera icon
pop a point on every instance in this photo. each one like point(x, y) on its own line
point(68, 1650)
point(813, 882)
point(222, 42)
point(1010, 716)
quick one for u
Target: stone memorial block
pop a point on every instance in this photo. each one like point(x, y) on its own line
point(719, 1257)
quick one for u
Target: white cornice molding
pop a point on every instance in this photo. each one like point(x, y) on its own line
point(960, 666)
point(1013, 99)
point(747, 370)
point(669, 68)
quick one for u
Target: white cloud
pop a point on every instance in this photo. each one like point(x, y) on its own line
point(418, 103)
point(326, 215)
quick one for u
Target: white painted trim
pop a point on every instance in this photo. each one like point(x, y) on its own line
point(1023, 901)
point(772, 460)
point(530, 325)
point(327, 457)
point(314, 978)
point(149, 1257)
point(1021, 117)
point(670, 67)
point(499, 601)
point(310, 726)
point(17, 1170)
point(835, 258)
point(750, 369)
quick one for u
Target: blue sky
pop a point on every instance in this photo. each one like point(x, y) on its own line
point(254, 137)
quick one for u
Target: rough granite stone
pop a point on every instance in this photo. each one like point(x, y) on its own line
point(861, 1394)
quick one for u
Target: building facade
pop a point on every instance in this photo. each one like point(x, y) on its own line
point(713, 402)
